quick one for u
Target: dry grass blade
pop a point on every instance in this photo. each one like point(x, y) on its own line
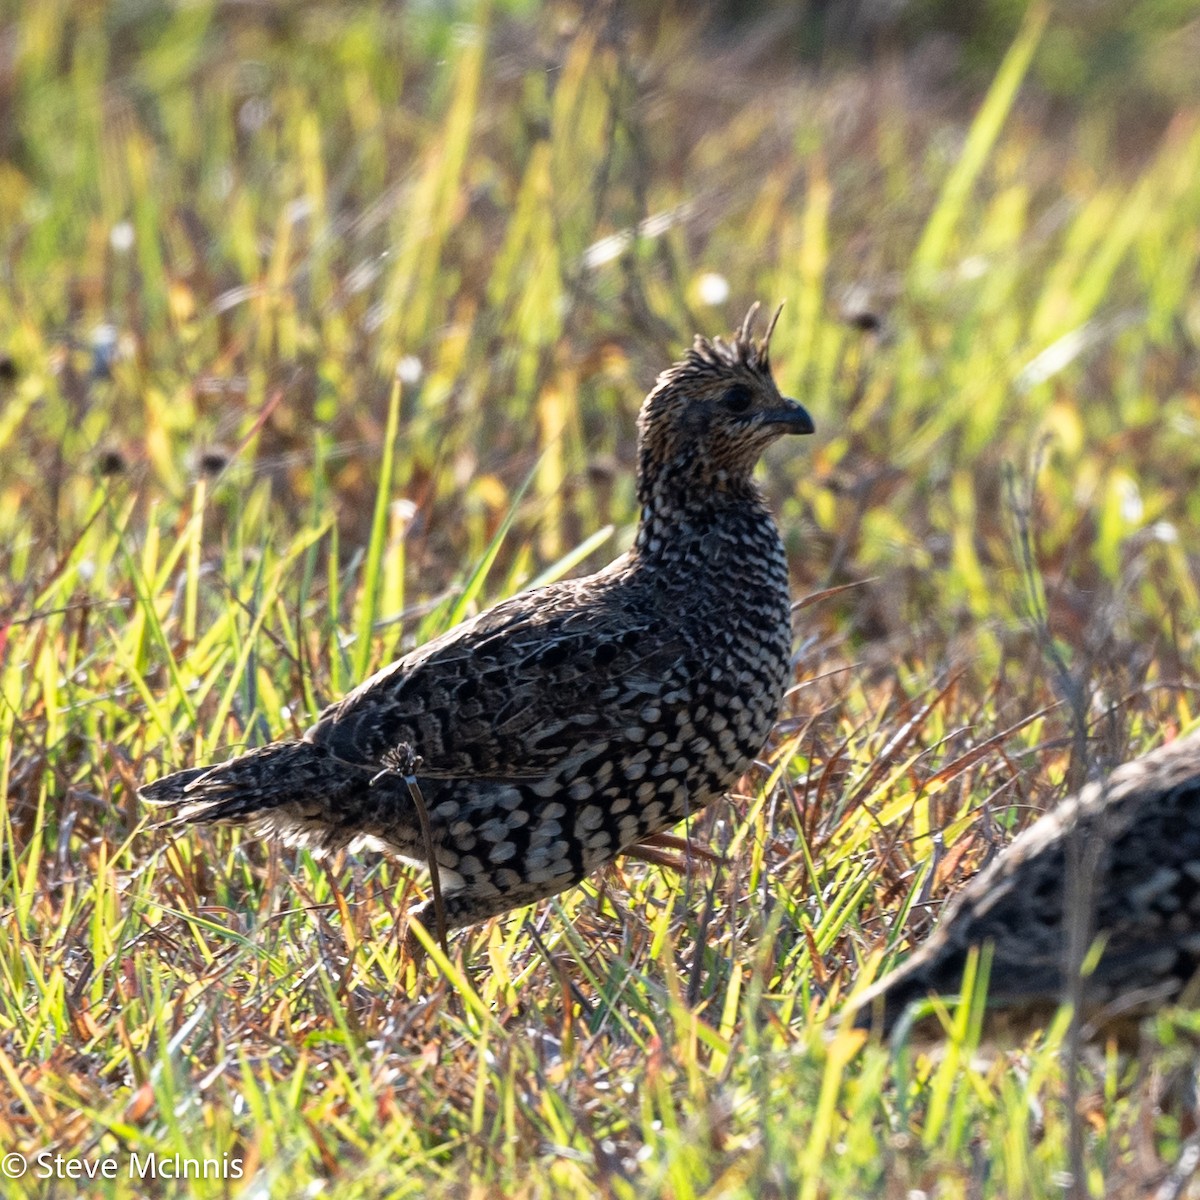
point(404, 761)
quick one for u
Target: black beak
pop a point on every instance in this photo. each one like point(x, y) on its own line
point(791, 418)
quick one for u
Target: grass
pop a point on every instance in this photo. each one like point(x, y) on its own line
point(325, 326)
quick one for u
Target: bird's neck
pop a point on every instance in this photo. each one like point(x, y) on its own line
point(681, 481)
point(677, 509)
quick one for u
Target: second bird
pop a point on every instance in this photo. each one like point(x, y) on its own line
point(569, 723)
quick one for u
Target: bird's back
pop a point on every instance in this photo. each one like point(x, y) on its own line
point(702, 626)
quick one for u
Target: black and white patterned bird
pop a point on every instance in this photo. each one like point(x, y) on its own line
point(1122, 858)
point(567, 724)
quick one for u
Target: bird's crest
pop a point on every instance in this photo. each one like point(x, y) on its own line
point(742, 350)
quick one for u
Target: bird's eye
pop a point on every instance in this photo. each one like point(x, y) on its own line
point(737, 399)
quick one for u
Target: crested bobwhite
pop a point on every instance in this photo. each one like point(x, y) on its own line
point(1136, 838)
point(566, 724)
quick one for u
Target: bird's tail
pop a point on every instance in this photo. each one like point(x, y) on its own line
point(285, 783)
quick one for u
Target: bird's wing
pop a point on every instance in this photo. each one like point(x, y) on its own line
point(511, 692)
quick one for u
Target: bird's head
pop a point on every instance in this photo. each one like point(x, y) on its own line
point(710, 417)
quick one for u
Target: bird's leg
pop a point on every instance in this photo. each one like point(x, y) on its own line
point(670, 850)
point(672, 841)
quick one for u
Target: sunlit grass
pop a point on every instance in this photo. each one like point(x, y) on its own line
point(329, 331)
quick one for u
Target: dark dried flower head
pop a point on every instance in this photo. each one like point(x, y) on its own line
point(110, 461)
point(865, 321)
point(212, 461)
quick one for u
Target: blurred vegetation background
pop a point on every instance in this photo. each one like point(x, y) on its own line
point(322, 325)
